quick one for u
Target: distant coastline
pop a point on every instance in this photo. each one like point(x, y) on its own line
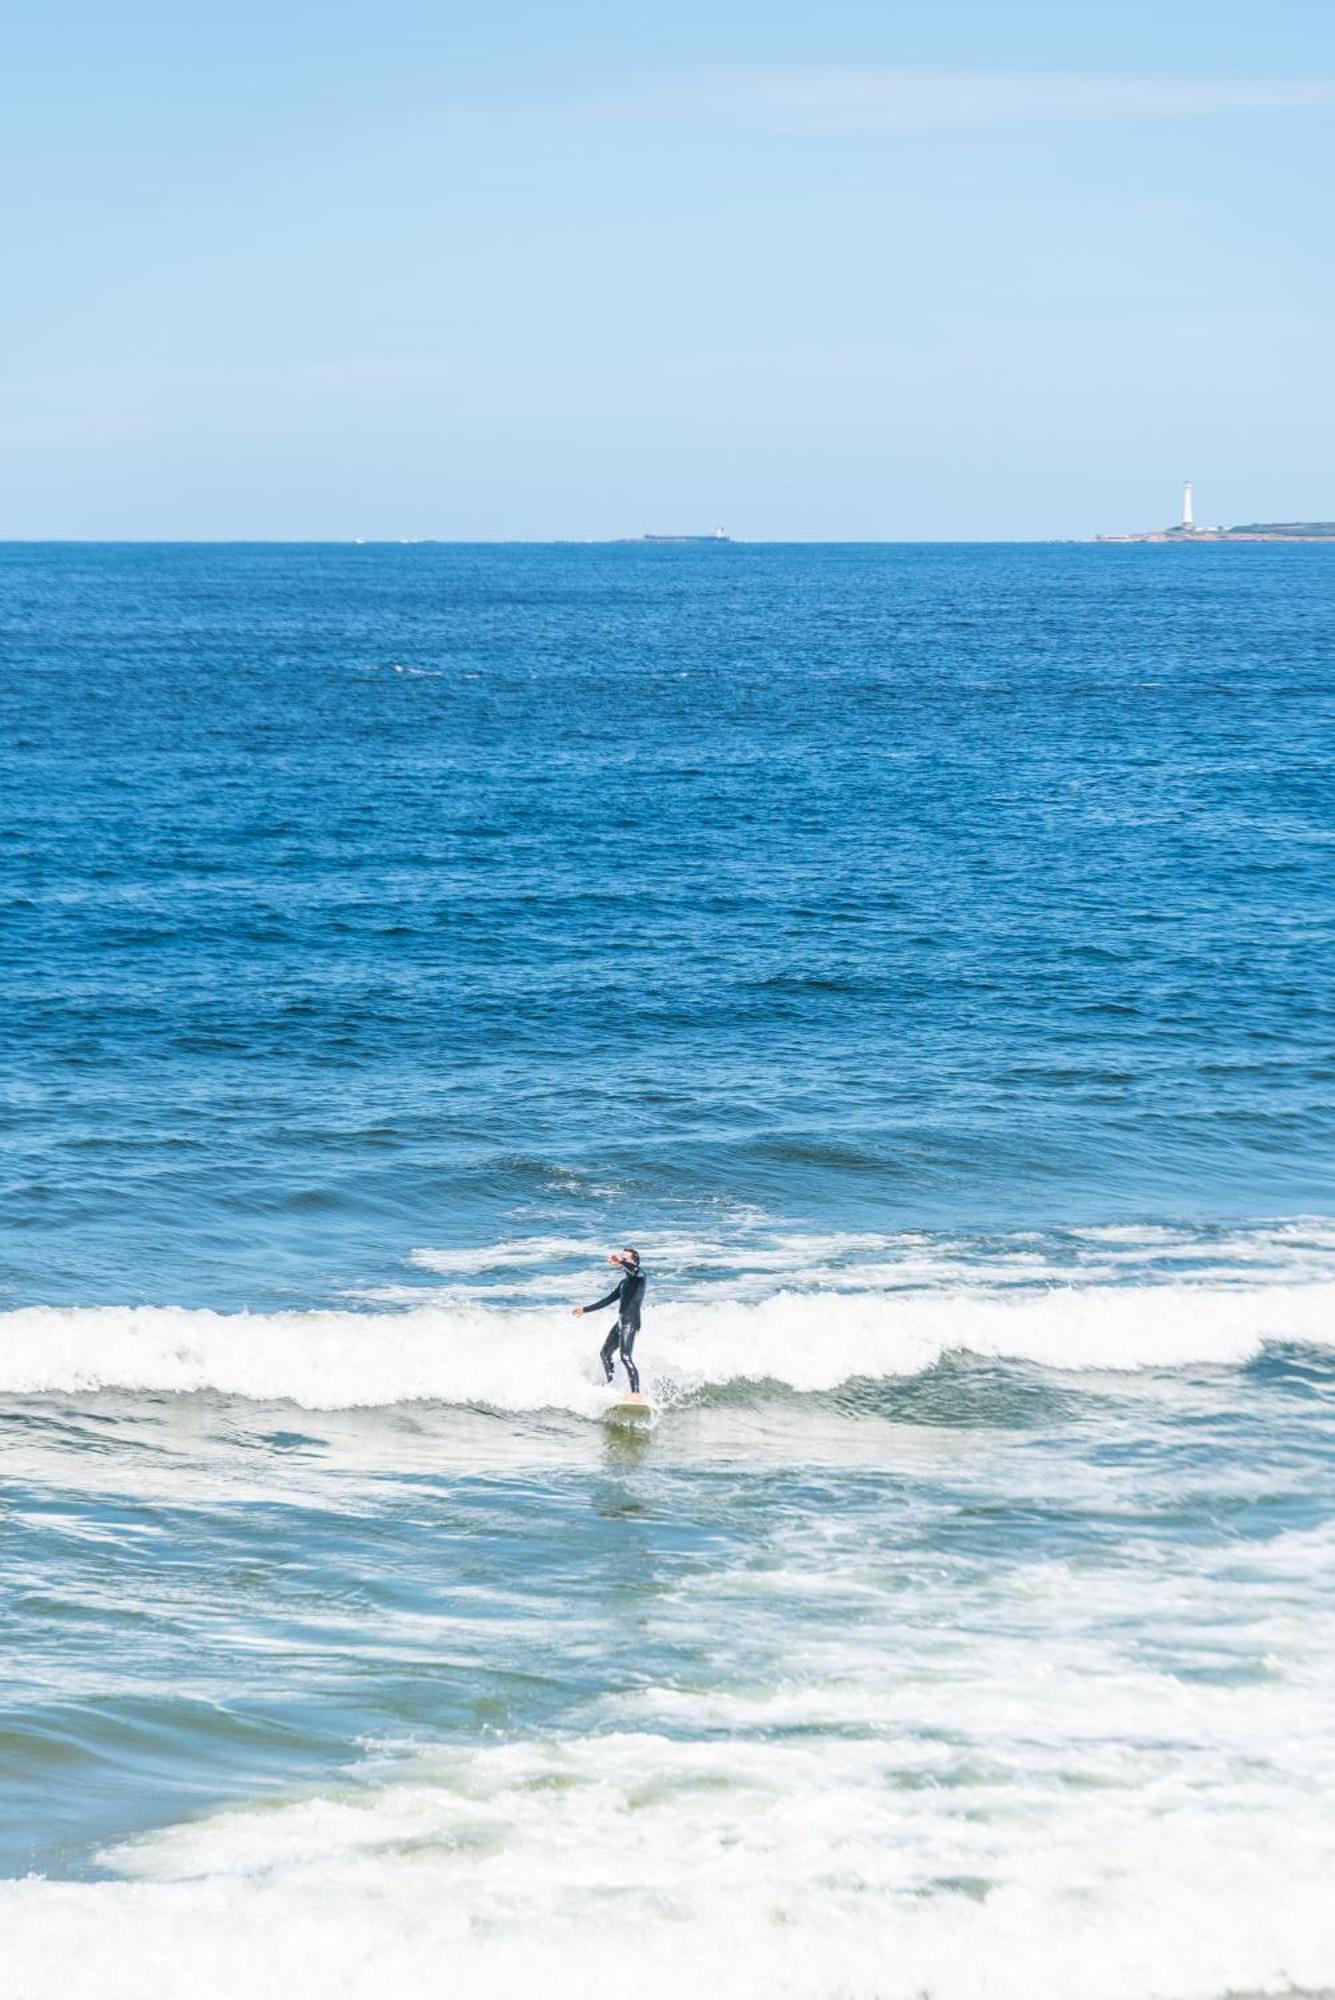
point(1251, 531)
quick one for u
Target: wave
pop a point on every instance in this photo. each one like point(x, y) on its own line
point(829, 1869)
point(530, 1359)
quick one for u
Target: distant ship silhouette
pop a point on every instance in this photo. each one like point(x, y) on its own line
point(714, 535)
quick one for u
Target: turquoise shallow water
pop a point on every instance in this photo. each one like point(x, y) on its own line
point(924, 955)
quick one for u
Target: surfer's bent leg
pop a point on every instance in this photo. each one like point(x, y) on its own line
point(609, 1348)
point(628, 1334)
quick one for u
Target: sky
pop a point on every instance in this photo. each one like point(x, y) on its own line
point(516, 271)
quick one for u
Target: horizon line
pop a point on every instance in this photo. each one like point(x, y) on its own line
point(1103, 538)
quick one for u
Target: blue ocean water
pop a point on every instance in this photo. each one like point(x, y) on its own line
point(924, 955)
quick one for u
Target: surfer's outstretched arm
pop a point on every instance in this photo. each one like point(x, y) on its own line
point(598, 1304)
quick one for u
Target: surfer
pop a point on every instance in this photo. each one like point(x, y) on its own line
point(627, 1294)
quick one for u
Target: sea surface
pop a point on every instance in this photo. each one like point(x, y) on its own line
point(924, 955)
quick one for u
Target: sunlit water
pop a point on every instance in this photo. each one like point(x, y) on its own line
point(925, 957)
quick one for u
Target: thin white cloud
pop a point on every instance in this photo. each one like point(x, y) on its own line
point(916, 100)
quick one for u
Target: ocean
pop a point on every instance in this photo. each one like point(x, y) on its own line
point(924, 956)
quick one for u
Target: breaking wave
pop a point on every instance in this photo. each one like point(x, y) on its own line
point(530, 1358)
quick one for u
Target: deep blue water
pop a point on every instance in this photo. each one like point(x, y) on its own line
point(357, 898)
point(925, 955)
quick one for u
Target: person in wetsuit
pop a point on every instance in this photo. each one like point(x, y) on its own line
point(627, 1294)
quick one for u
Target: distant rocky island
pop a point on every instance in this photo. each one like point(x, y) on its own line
point(1249, 531)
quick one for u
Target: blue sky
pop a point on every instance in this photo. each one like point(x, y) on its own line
point(520, 271)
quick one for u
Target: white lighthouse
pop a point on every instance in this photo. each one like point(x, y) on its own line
point(1188, 518)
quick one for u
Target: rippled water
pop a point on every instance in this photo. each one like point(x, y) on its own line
point(924, 955)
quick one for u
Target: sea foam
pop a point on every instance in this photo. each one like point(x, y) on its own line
point(532, 1359)
point(832, 1869)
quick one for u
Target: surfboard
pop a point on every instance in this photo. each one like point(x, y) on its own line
point(632, 1412)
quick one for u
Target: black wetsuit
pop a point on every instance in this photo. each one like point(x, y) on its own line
point(627, 1296)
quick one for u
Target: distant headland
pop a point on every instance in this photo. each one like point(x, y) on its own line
point(713, 535)
point(1186, 530)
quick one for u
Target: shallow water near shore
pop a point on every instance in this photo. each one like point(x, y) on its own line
point(923, 955)
point(987, 1677)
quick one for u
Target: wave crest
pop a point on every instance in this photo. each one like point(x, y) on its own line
point(532, 1359)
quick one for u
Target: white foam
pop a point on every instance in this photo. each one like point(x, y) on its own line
point(827, 1868)
point(529, 1358)
point(505, 1255)
point(751, 1259)
point(948, 1777)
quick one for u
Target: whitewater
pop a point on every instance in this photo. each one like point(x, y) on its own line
point(529, 1359)
point(970, 1637)
point(930, 1666)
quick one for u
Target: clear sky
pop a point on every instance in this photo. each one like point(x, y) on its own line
point(532, 270)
